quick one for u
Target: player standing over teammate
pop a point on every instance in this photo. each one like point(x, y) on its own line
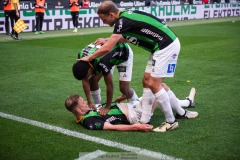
point(150, 33)
point(90, 73)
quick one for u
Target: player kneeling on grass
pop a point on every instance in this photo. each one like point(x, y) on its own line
point(121, 116)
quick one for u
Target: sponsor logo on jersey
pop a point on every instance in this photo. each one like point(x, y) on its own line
point(120, 25)
point(112, 119)
point(174, 56)
point(117, 53)
point(171, 68)
point(153, 34)
point(97, 125)
point(153, 62)
point(104, 67)
point(132, 40)
point(121, 68)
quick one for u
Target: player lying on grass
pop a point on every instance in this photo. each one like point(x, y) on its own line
point(121, 116)
point(90, 73)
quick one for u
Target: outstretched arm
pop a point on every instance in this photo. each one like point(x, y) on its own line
point(105, 49)
point(124, 127)
point(86, 88)
point(101, 41)
point(16, 9)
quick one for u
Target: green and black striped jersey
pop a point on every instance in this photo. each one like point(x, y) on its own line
point(94, 121)
point(144, 30)
point(118, 55)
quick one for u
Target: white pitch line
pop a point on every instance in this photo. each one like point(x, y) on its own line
point(90, 138)
point(92, 155)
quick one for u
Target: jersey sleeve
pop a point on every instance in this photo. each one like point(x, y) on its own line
point(93, 123)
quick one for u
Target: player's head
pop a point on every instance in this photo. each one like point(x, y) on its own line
point(80, 70)
point(107, 7)
point(76, 104)
point(108, 12)
point(71, 102)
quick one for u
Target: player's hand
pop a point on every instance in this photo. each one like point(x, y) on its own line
point(100, 41)
point(90, 105)
point(120, 98)
point(144, 127)
point(86, 59)
point(17, 14)
point(103, 111)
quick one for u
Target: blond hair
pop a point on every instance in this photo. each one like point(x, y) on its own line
point(71, 102)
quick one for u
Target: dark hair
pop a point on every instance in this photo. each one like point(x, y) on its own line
point(80, 69)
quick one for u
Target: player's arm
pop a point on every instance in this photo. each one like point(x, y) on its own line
point(109, 85)
point(86, 88)
point(70, 4)
point(101, 41)
point(124, 127)
point(79, 3)
point(120, 98)
point(16, 9)
point(43, 5)
point(122, 40)
point(105, 49)
point(35, 4)
point(39, 6)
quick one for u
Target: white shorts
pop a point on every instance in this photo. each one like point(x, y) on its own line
point(163, 62)
point(125, 68)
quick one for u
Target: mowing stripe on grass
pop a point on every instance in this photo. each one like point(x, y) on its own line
point(89, 138)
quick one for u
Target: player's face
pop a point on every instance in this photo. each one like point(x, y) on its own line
point(107, 19)
point(82, 105)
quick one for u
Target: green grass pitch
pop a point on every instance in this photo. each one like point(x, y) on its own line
point(36, 78)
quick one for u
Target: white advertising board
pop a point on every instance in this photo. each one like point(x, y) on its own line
point(61, 19)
